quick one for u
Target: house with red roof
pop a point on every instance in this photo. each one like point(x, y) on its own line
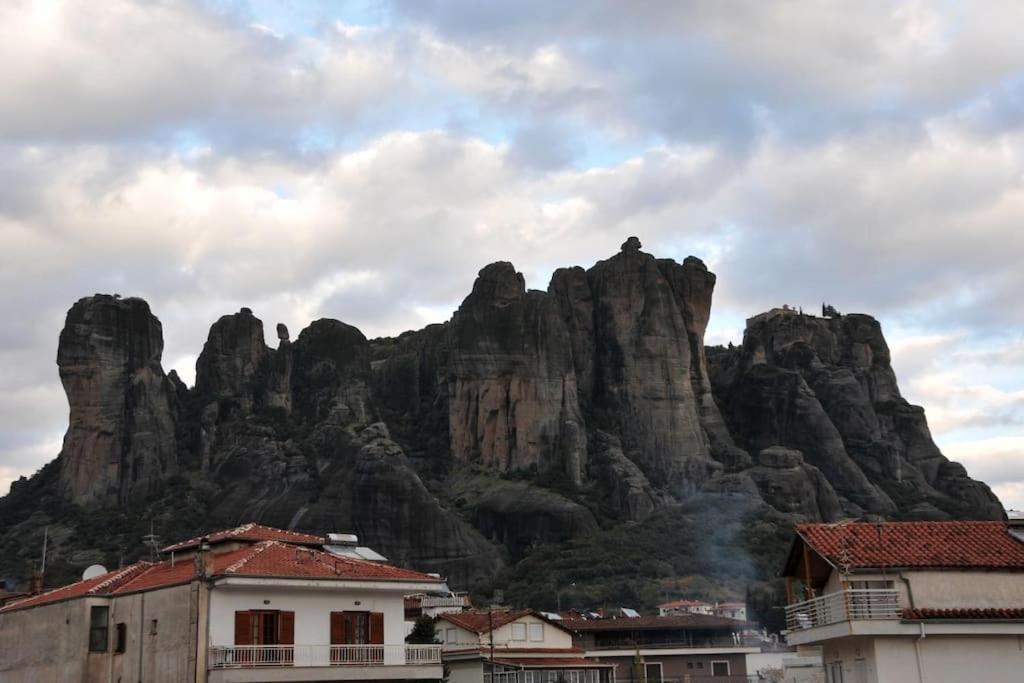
point(249, 604)
point(909, 601)
point(675, 608)
point(514, 646)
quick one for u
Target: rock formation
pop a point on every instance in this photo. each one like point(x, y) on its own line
point(530, 418)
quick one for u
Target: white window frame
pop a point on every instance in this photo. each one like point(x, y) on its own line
point(661, 671)
point(449, 635)
point(537, 628)
point(519, 632)
point(728, 672)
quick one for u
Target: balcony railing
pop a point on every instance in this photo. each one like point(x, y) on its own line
point(848, 605)
point(232, 656)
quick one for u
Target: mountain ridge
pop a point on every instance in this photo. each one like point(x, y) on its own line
point(531, 420)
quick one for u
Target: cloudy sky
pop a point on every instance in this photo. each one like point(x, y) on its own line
point(364, 160)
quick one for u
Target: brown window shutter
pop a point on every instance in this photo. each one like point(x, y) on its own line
point(286, 628)
point(376, 628)
point(338, 628)
point(243, 628)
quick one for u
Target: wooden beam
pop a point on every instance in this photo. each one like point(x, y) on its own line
point(807, 572)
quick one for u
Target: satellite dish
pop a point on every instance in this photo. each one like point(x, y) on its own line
point(93, 571)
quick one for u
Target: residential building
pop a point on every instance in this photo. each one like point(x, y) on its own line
point(681, 607)
point(250, 604)
point(513, 646)
point(690, 647)
point(909, 601)
point(731, 610)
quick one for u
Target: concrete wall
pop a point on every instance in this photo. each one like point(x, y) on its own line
point(469, 671)
point(943, 659)
point(312, 607)
point(967, 589)
point(50, 643)
point(676, 666)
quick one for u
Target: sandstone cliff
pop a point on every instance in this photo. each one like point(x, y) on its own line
point(530, 419)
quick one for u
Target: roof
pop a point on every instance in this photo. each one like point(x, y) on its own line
point(961, 613)
point(251, 532)
point(956, 544)
point(484, 621)
point(731, 605)
point(271, 559)
point(682, 621)
point(684, 603)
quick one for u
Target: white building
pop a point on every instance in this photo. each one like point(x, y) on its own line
point(731, 610)
point(248, 604)
point(677, 608)
point(929, 602)
point(519, 646)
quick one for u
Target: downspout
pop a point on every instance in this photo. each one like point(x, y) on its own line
point(142, 628)
point(917, 651)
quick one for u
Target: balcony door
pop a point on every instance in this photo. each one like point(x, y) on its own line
point(357, 638)
point(264, 637)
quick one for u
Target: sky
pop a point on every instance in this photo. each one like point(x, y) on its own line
point(362, 161)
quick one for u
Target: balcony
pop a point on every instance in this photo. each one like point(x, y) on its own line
point(845, 606)
point(326, 656)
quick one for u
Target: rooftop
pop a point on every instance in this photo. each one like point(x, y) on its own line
point(251, 532)
point(270, 559)
point(676, 604)
point(955, 544)
point(484, 621)
point(683, 621)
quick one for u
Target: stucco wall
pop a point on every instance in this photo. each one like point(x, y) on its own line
point(675, 666)
point(50, 643)
point(994, 659)
point(312, 607)
point(967, 589)
point(63, 627)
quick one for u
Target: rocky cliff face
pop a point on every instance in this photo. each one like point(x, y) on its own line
point(120, 442)
point(530, 418)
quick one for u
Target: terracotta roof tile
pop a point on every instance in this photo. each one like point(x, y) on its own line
point(481, 622)
point(265, 559)
point(684, 603)
point(915, 544)
point(250, 532)
point(958, 613)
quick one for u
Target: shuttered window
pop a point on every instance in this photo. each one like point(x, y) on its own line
point(99, 628)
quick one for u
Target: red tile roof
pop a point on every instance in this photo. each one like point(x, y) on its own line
point(868, 545)
point(271, 559)
point(482, 622)
point(682, 621)
point(250, 532)
point(959, 613)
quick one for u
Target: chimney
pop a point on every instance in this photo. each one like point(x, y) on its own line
point(35, 584)
point(204, 559)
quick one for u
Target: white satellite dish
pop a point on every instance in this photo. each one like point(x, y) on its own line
point(93, 571)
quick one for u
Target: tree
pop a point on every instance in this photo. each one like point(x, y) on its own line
point(423, 632)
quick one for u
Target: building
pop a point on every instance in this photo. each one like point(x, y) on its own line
point(909, 601)
point(681, 607)
point(513, 646)
point(248, 604)
point(689, 647)
point(731, 610)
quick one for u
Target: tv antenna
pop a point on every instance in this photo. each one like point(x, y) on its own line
point(151, 541)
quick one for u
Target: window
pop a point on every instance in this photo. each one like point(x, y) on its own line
point(652, 672)
point(121, 637)
point(354, 635)
point(689, 666)
point(518, 631)
point(834, 673)
point(449, 635)
point(99, 628)
point(536, 632)
point(720, 668)
point(152, 627)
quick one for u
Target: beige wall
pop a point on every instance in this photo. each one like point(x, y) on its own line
point(49, 644)
point(966, 589)
point(944, 659)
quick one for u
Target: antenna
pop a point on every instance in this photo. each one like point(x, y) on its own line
point(46, 538)
point(151, 541)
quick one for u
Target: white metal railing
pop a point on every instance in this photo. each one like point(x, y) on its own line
point(848, 605)
point(231, 656)
point(444, 601)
